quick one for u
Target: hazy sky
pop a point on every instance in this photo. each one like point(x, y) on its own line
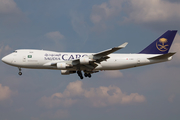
point(144, 93)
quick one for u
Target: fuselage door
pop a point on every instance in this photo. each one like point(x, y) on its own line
point(24, 58)
point(138, 61)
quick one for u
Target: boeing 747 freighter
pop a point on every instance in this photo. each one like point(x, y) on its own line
point(69, 63)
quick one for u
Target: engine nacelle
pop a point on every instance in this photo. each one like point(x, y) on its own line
point(84, 60)
point(67, 72)
point(62, 65)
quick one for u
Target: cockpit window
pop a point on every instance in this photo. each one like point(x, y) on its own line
point(15, 51)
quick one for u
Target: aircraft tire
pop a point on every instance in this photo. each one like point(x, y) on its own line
point(20, 73)
point(89, 75)
point(85, 74)
point(80, 74)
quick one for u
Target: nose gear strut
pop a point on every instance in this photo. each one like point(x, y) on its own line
point(20, 73)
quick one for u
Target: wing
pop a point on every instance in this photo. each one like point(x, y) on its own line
point(87, 63)
point(103, 55)
point(109, 51)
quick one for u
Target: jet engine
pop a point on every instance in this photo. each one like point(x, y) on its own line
point(84, 60)
point(62, 65)
point(67, 72)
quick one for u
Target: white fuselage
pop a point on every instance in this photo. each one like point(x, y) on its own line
point(42, 59)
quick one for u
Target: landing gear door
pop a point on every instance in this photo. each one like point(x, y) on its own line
point(24, 58)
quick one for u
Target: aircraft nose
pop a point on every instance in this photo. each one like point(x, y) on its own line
point(6, 59)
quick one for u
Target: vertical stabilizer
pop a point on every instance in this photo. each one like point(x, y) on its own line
point(162, 44)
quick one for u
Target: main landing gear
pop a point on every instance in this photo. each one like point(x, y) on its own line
point(80, 74)
point(85, 74)
point(20, 73)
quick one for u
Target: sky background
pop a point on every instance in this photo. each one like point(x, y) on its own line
point(144, 93)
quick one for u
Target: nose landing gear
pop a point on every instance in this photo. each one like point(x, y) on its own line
point(20, 73)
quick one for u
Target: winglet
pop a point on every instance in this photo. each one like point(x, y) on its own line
point(123, 45)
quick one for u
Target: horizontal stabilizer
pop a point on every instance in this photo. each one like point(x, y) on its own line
point(163, 56)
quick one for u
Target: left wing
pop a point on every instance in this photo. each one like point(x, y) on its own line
point(101, 56)
point(109, 51)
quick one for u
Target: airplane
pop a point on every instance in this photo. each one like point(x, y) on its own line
point(69, 63)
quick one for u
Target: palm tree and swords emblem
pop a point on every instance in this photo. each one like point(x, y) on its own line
point(161, 46)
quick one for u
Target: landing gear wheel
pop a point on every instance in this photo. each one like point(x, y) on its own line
point(81, 77)
point(20, 73)
point(80, 74)
point(89, 75)
point(85, 74)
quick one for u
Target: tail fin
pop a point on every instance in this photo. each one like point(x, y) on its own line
point(162, 44)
